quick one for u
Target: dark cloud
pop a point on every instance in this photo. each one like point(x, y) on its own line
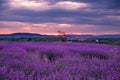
point(113, 4)
point(78, 17)
point(97, 14)
point(2, 1)
point(3, 5)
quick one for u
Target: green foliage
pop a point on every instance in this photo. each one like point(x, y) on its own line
point(52, 55)
point(113, 41)
point(117, 42)
point(93, 54)
point(98, 75)
point(30, 50)
point(1, 47)
point(60, 66)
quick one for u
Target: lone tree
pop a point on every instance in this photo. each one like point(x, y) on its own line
point(62, 36)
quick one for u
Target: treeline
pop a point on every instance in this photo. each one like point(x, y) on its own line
point(49, 39)
point(113, 41)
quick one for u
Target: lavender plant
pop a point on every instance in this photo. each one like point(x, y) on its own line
point(59, 61)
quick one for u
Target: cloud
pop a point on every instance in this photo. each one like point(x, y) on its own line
point(52, 28)
point(34, 15)
point(46, 5)
point(64, 25)
point(29, 4)
point(84, 16)
point(69, 5)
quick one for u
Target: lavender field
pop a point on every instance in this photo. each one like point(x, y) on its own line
point(59, 61)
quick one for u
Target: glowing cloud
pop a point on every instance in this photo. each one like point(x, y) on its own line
point(45, 5)
point(69, 5)
point(65, 25)
point(28, 4)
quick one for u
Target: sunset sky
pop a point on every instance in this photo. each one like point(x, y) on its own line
point(71, 16)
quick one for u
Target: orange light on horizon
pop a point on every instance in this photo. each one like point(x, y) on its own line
point(5, 31)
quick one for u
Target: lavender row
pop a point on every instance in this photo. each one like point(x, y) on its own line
point(59, 61)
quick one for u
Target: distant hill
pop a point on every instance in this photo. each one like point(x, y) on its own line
point(32, 35)
point(24, 35)
point(19, 35)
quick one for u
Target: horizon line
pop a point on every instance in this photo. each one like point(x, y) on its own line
point(55, 34)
